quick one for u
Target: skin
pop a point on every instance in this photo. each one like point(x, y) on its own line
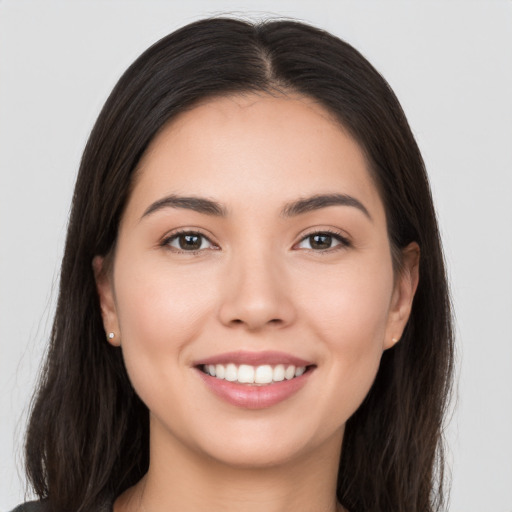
point(258, 283)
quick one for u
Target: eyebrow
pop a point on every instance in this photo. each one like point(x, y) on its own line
point(198, 204)
point(318, 201)
point(291, 209)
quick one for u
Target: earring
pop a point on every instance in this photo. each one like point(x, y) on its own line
point(111, 336)
point(394, 340)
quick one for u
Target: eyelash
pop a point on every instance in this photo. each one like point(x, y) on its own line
point(337, 235)
point(344, 242)
point(167, 240)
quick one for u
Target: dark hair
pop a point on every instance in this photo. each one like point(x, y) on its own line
point(88, 434)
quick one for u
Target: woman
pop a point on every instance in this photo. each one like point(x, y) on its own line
point(253, 309)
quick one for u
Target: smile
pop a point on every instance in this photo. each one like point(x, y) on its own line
point(254, 380)
point(256, 375)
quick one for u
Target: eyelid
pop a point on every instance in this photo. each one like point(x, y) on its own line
point(343, 240)
point(341, 237)
point(174, 234)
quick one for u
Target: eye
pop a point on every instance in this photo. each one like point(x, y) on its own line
point(322, 241)
point(188, 241)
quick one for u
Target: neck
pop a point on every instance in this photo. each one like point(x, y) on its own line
point(184, 480)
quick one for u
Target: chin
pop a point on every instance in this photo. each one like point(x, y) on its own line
point(263, 444)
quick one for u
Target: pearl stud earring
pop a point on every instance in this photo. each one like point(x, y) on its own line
point(111, 336)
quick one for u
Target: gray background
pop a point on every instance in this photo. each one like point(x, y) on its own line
point(450, 64)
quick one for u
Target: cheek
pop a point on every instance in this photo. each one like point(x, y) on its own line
point(156, 300)
point(350, 318)
point(159, 312)
point(351, 303)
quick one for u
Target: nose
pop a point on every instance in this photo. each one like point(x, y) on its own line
point(256, 294)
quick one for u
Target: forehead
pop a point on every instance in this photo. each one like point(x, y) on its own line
point(242, 149)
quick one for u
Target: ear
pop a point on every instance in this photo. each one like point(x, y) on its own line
point(403, 294)
point(105, 289)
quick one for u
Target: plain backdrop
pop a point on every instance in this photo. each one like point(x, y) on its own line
point(449, 62)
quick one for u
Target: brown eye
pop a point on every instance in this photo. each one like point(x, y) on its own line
point(321, 241)
point(187, 241)
point(324, 240)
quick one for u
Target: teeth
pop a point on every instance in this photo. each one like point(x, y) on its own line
point(246, 374)
point(231, 373)
point(263, 374)
point(279, 373)
point(299, 371)
point(220, 371)
point(289, 373)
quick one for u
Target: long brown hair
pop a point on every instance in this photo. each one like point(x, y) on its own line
point(88, 436)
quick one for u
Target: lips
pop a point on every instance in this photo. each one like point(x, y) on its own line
point(254, 380)
point(254, 359)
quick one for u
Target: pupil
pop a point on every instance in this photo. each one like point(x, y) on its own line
point(189, 242)
point(321, 241)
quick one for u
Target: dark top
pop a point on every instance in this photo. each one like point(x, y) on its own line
point(41, 506)
point(31, 506)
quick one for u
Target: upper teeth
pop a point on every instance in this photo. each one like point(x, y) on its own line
point(246, 374)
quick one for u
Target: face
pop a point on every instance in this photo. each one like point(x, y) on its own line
point(252, 290)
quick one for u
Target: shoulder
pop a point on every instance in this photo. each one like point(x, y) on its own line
point(31, 506)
